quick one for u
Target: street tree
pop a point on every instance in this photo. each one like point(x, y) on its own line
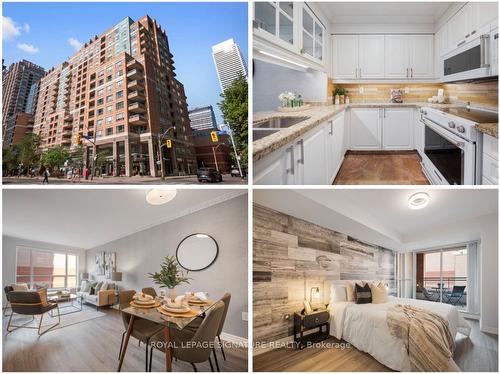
point(28, 150)
point(9, 161)
point(234, 108)
point(55, 158)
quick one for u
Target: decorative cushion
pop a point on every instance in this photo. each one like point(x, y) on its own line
point(20, 287)
point(379, 293)
point(91, 287)
point(104, 286)
point(43, 296)
point(98, 287)
point(339, 294)
point(363, 294)
point(350, 291)
point(84, 285)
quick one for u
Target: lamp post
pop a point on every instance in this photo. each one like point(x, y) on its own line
point(160, 145)
point(234, 149)
point(94, 150)
point(215, 157)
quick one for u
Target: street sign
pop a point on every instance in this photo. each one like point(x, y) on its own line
point(168, 143)
point(213, 135)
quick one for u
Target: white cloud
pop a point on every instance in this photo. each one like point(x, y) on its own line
point(28, 48)
point(75, 43)
point(9, 28)
point(26, 27)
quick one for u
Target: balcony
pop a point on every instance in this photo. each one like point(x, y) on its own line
point(137, 119)
point(136, 96)
point(451, 290)
point(67, 133)
point(135, 74)
point(137, 108)
point(66, 141)
point(135, 84)
point(133, 64)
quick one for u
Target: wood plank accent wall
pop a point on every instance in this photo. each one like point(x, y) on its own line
point(291, 255)
point(484, 94)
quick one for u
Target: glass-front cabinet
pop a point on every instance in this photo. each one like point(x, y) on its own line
point(292, 26)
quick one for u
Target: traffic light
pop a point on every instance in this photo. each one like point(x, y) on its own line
point(78, 139)
point(168, 143)
point(213, 135)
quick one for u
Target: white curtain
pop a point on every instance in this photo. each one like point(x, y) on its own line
point(404, 274)
point(472, 289)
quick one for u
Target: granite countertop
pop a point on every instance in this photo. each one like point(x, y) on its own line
point(317, 114)
point(488, 128)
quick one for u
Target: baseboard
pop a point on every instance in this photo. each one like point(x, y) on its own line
point(237, 340)
point(489, 329)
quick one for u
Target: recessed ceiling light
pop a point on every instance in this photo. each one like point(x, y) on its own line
point(418, 200)
point(160, 196)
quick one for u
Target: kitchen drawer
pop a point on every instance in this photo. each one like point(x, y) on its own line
point(490, 168)
point(490, 146)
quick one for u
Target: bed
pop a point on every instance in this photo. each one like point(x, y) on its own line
point(365, 327)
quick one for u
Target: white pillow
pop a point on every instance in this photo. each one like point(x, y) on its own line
point(338, 294)
point(351, 294)
point(20, 287)
point(380, 293)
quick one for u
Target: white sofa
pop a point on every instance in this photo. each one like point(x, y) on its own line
point(105, 296)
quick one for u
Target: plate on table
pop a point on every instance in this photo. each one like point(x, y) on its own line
point(144, 302)
point(184, 309)
point(151, 304)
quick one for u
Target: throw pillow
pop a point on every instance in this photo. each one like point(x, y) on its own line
point(339, 294)
point(91, 287)
point(98, 287)
point(83, 285)
point(43, 296)
point(351, 294)
point(379, 293)
point(363, 294)
point(20, 287)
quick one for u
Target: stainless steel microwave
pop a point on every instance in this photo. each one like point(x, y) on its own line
point(471, 60)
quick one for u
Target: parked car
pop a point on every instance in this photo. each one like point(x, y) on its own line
point(236, 173)
point(209, 175)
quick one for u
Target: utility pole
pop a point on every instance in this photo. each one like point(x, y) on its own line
point(215, 157)
point(160, 145)
point(234, 149)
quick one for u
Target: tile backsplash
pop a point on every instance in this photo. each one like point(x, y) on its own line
point(483, 94)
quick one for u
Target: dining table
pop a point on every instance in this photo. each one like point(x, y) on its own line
point(168, 323)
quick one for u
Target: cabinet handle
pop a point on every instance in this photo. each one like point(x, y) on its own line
point(461, 43)
point(356, 73)
point(384, 111)
point(412, 72)
point(291, 169)
point(473, 32)
point(301, 143)
point(360, 72)
point(466, 36)
point(406, 72)
point(331, 128)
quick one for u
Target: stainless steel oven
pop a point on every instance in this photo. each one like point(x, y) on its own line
point(448, 158)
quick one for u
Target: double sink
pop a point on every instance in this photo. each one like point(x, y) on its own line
point(273, 125)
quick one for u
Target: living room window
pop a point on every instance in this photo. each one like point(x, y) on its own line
point(46, 268)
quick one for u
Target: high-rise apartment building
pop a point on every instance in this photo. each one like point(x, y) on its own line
point(19, 85)
point(229, 63)
point(120, 93)
point(203, 118)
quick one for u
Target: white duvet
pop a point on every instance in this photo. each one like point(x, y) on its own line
point(365, 327)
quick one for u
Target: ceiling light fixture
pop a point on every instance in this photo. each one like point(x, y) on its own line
point(418, 200)
point(160, 196)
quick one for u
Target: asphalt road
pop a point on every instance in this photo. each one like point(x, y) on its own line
point(226, 180)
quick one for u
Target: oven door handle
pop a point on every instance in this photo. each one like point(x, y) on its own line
point(438, 129)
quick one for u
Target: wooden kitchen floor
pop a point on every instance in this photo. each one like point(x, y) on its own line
point(381, 168)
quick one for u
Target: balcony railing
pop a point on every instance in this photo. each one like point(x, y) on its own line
point(135, 74)
point(135, 84)
point(137, 108)
point(137, 119)
point(136, 96)
point(449, 290)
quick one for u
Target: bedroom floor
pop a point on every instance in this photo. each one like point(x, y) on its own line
point(479, 353)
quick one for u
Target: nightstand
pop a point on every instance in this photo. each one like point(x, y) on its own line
point(318, 319)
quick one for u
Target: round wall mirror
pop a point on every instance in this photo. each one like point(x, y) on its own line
point(197, 252)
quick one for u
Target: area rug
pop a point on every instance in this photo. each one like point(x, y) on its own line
point(66, 320)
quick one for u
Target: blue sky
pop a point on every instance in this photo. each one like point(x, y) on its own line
point(41, 33)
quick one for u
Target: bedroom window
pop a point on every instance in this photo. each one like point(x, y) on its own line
point(46, 268)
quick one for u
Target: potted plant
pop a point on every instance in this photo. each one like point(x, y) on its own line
point(170, 276)
point(340, 92)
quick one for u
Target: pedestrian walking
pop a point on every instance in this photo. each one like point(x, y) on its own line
point(76, 175)
point(86, 172)
point(46, 176)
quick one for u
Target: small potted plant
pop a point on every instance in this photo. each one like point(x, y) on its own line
point(340, 92)
point(170, 276)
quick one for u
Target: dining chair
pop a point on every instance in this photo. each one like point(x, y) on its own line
point(195, 347)
point(143, 330)
point(31, 303)
point(149, 291)
point(7, 289)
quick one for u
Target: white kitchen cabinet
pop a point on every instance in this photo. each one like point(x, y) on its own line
point(458, 27)
point(490, 159)
point(358, 56)
point(311, 158)
point(418, 133)
point(364, 129)
point(276, 168)
point(483, 15)
point(345, 56)
point(397, 56)
point(397, 129)
point(371, 56)
point(440, 45)
point(334, 146)
point(421, 56)
point(409, 56)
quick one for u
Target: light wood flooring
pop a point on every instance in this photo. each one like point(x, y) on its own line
point(477, 353)
point(93, 346)
point(375, 168)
